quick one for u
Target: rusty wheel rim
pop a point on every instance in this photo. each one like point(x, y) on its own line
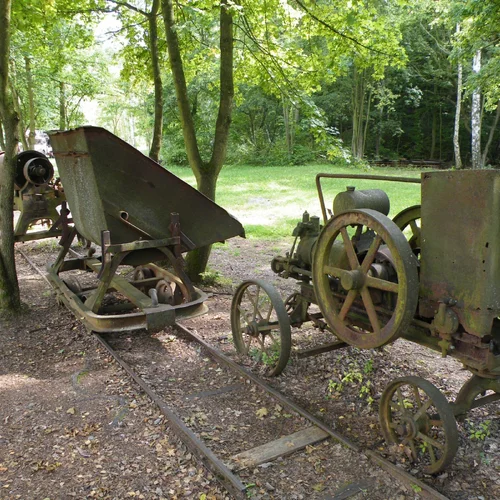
point(260, 325)
point(415, 416)
point(355, 318)
point(409, 221)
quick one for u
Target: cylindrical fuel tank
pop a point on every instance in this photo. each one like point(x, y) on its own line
point(352, 199)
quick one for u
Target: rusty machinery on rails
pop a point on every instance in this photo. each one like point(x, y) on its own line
point(431, 275)
point(38, 197)
point(143, 218)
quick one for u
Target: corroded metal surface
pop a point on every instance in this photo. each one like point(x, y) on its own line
point(37, 197)
point(360, 280)
point(138, 213)
point(461, 246)
point(112, 186)
point(429, 276)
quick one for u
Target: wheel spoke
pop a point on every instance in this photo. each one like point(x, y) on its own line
point(431, 441)
point(396, 406)
point(436, 423)
point(414, 228)
point(351, 254)
point(256, 304)
point(248, 344)
point(270, 312)
point(370, 309)
point(417, 396)
point(254, 301)
point(432, 454)
point(349, 300)
point(411, 442)
point(370, 256)
point(244, 313)
point(401, 401)
point(422, 409)
point(379, 284)
point(334, 271)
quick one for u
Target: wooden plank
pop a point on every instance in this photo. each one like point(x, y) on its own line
point(281, 447)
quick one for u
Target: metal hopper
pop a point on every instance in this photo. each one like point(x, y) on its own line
point(138, 213)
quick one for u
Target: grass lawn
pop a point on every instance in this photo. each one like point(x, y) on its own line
point(269, 201)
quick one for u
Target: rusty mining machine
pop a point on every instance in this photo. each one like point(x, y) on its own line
point(431, 275)
point(139, 220)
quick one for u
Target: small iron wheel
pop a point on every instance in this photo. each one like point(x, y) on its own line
point(355, 315)
point(142, 273)
point(408, 220)
point(260, 325)
point(165, 292)
point(416, 416)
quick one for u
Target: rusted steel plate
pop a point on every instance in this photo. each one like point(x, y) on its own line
point(112, 186)
point(460, 239)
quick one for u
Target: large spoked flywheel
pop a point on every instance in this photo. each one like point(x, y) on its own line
point(260, 325)
point(370, 301)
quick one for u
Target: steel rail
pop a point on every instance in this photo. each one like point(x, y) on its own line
point(398, 473)
point(230, 481)
point(222, 473)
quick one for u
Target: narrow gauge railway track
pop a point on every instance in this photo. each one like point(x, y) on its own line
point(303, 429)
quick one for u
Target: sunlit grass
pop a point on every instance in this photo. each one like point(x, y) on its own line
point(269, 201)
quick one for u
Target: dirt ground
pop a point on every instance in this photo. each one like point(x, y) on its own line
point(72, 425)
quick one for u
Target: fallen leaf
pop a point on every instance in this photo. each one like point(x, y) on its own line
point(261, 413)
point(71, 411)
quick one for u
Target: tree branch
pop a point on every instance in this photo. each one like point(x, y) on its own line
point(339, 33)
point(130, 7)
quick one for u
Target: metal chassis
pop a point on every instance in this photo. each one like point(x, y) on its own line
point(152, 315)
point(485, 374)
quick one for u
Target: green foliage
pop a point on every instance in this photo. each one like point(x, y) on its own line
point(480, 431)
point(211, 277)
point(354, 377)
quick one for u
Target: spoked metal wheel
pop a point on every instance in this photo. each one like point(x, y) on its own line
point(260, 325)
point(372, 299)
point(417, 417)
point(409, 221)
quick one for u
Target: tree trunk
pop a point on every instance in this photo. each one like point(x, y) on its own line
point(288, 127)
point(365, 132)
point(456, 130)
point(476, 116)
point(206, 174)
point(62, 106)
point(491, 135)
point(378, 140)
point(21, 129)
point(9, 288)
point(358, 105)
point(2, 138)
point(433, 133)
point(31, 100)
point(154, 152)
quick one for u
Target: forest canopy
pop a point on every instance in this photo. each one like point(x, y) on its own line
point(313, 80)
